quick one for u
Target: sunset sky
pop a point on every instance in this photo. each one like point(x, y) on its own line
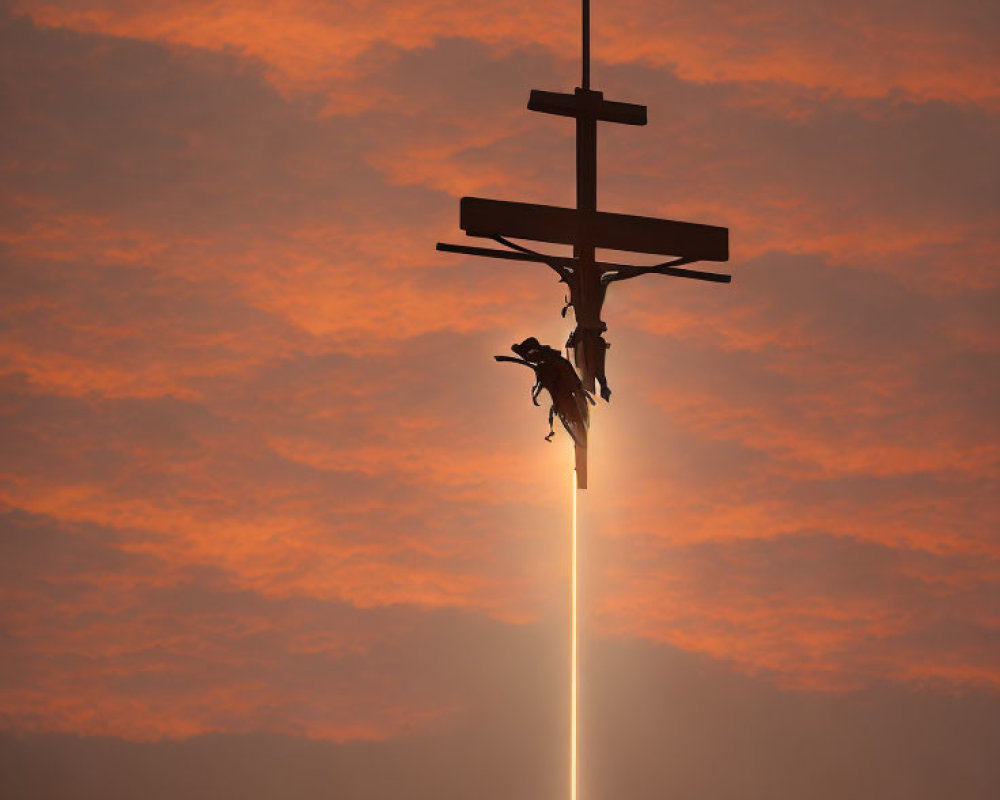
point(276, 525)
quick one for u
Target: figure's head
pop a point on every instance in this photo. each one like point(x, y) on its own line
point(530, 349)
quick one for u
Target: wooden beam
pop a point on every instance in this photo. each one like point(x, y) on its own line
point(693, 241)
point(621, 271)
point(586, 103)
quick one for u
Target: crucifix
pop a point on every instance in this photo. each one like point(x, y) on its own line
point(587, 229)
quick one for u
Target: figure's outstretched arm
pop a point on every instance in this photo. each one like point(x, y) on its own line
point(624, 272)
point(549, 261)
point(513, 360)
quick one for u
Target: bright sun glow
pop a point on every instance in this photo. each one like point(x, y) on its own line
point(572, 645)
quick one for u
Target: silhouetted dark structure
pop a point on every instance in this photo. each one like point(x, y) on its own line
point(586, 228)
point(570, 400)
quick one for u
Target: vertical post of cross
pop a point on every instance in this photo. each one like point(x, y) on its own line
point(587, 307)
point(588, 282)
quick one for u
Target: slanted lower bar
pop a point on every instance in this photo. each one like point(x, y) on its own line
point(509, 255)
point(489, 218)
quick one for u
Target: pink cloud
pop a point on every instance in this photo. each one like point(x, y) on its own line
point(231, 349)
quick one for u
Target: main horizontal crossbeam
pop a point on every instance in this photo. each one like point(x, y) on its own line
point(693, 241)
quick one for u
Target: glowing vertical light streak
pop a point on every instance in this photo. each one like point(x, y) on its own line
point(573, 649)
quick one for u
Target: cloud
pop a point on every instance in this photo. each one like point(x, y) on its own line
point(933, 50)
point(657, 722)
point(813, 610)
point(255, 443)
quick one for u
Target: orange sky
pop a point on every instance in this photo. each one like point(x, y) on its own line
point(261, 476)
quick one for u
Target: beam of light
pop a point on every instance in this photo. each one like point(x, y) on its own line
point(573, 650)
